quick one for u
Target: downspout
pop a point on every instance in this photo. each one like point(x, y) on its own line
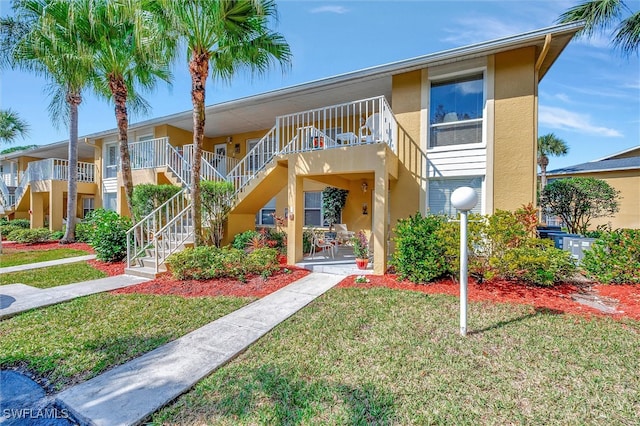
point(539, 61)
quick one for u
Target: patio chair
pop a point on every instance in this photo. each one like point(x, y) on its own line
point(370, 132)
point(316, 243)
point(343, 234)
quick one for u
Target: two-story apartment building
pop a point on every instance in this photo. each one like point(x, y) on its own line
point(400, 137)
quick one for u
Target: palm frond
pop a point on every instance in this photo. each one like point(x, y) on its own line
point(598, 15)
point(627, 35)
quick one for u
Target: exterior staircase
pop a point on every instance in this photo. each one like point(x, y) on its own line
point(168, 228)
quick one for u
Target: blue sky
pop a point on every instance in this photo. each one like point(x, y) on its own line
point(590, 98)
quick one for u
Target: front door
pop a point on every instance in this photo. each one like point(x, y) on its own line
point(220, 161)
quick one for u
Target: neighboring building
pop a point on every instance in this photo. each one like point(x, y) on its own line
point(622, 172)
point(400, 137)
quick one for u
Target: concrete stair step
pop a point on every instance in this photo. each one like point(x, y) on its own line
point(144, 271)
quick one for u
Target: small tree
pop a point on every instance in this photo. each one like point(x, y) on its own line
point(217, 200)
point(577, 200)
point(333, 201)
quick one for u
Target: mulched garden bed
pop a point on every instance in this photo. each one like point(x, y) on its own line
point(255, 286)
point(49, 245)
point(556, 299)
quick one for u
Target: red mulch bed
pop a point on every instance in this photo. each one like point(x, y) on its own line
point(49, 245)
point(111, 269)
point(255, 286)
point(557, 298)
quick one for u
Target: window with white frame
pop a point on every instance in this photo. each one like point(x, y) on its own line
point(265, 215)
point(456, 111)
point(87, 206)
point(440, 190)
point(111, 161)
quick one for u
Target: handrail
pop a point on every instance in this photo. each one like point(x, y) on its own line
point(255, 160)
point(4, 194)
point(207, 170)
point(172, 236)
point(178, 164)
point(143, 234)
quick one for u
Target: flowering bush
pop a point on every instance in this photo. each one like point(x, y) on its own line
point(361, 279)
point(360, 245)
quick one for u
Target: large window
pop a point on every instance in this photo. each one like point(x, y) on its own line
point(440, 190)
point(313, 208)
point(456, 111)
point(87, 206)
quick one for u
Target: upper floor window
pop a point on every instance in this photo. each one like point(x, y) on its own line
point(456, 111)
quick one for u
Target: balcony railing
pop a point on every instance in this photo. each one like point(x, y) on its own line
point(148, 154)
point(52, 169)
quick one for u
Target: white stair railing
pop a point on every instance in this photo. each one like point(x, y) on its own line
point(255, 160)
point(207, 169)
point(173, 235)
point(178, 164)
point(5, 196)
point(145, 235)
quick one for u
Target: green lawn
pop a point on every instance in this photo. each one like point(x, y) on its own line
point(74, 341)
point(34, 256)
point(380, 356)
point(53, 276)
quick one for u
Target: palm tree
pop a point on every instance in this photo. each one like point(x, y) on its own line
point(549, 144)
point(601, 15)
point(131, 51)
point(43, 39)
point(224, 36)
point(11, 126)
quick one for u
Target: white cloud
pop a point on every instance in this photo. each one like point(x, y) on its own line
point(477, 29)
point(330, 9)
point(560, 118)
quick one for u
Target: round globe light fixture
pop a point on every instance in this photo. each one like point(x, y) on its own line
point(464, 198)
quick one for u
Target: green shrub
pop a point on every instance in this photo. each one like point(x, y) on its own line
point(84, 231)
point(6, 229)
point(241, 241)
point(614, 257)
point(419, 255)
point(20, 223)
point(109, 236)
point(57, 235)
point(536, 262)
point(147, 197)
point(208, 262)
point(276, 239)
point(30, 236)
point(263, 261)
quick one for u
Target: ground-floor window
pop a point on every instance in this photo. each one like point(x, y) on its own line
point(110, 201)
point(440, 190)
point(265, 215)
point(87, 206)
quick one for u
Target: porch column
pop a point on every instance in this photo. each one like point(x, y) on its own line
point(56, 205)
point(381, 219)
point(36, 207)
point(295, 200)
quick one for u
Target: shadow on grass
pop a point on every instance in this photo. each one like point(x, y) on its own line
point(537, 312)
point(290, 400)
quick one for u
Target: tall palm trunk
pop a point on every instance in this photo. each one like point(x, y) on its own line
point(73, 99)
point(119, 91)
point(543, 162)
point(199, 69)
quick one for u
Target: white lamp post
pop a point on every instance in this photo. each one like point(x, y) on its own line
point(463, 199)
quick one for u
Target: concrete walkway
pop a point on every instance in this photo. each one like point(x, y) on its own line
point(131, 392)
point(16, 298)
point(48, 263)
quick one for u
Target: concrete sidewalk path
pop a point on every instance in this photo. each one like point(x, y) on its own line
point(46, 264)
point(16, 298)
point(129, 393)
